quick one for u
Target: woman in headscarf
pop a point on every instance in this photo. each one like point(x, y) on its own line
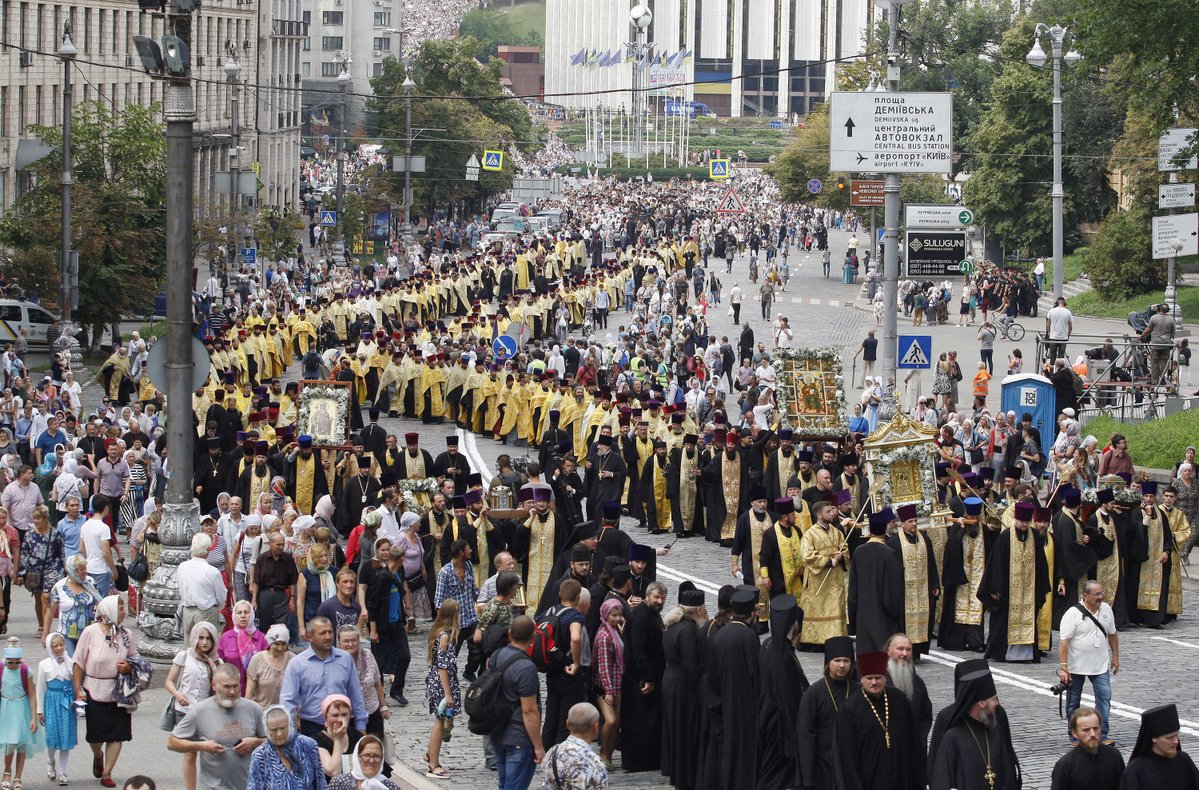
point(1062, 457)
point(322, 514)
point(314, 585)
point(288, 760)
point(69, 482)
point(264, 675)
point(72, 600)
point(246, 551)
point(55, 694)
point(414, 566)
point(349, 639)
point(239, 644)
point(101, 655)
point(607, 656)
point(366, 768)
point(190, 681)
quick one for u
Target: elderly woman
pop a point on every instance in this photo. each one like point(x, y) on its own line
point(349, 639)
point(102, 653)
point(1188, 503)
point(41, 562)
point(264, 675)
point(314, 585)
point(243, 641)
point(366, 768)
point(288, 760)
point(246, 551)
point(72, 600)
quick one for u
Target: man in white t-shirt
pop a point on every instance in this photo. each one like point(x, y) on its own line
point(1059, 324)
point(95, 542)
point(1089, 648)
point(782, 333)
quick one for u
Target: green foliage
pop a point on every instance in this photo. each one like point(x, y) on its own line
point(1156, 444)
point(448, 69)
point(522, 25)
point(275, 233)
point(118, 210)
point(1119, 261)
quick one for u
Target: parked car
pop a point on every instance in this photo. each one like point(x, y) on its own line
point(17, 315)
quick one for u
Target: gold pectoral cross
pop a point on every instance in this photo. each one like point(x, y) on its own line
point(990, 776)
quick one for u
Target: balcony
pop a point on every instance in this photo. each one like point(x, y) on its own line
point(288, 28)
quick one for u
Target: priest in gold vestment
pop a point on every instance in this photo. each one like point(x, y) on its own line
point(1013, 589)
point(826, 572)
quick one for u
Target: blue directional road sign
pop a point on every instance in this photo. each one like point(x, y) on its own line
point(718, 168)
point(815, 185)
point(915, 352)
point(328, 219)
point(493, 160)
point(776, 124)
point(504, 346)
point(249, 255)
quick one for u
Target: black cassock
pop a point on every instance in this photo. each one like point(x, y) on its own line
point(680, 704)
point(357, 494)
point(709, 754)
point(551, 597)
point(1078, 769)
point(731, 691)
point(783, 685)
point(997, 581)
point(641, 714)
point(211, 472)
point(934, 581)
point(817, 718)
point(456, 461)
point(609, 489)
point(961, 759)
point(951, 635)
point(945, 716)
point(863, 760)
point(875, 595)
point(1142, 552)
point(1073, 561)
point(1153, 772)
point(712, 478)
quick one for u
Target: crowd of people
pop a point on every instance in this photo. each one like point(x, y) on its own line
point(313, 573)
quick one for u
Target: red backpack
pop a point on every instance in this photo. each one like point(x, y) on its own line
point(546, 647)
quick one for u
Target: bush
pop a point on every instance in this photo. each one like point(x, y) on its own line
point(1156, 444)
point(1119, 261)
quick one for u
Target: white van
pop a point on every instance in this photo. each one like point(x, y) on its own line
point(17, 315)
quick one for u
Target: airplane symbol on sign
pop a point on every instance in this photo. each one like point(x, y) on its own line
point(861, 159)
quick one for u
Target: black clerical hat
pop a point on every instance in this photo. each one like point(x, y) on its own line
point(1155, 723)
point(838, 647)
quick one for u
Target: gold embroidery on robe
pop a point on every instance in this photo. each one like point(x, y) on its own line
point(915, 588)
point(1022, 608)
point(791, 553)
point(687, 490)
point(968, 610)
point(730, 483)
point(824, 613)
point(541, 551)
point(305, 482)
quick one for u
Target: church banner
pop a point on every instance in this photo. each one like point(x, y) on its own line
point(324, 413)
point(811, 392)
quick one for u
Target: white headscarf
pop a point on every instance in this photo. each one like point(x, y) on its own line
point(356, 765)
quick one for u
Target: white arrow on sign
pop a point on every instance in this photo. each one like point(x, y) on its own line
point(1175, 195)
point(909, 132)
point(1175, 235)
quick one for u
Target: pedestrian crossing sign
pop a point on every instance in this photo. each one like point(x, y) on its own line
point(730, 204)
point(718, 169)
point(915, 352)
point(493, 160)
point(328, 219)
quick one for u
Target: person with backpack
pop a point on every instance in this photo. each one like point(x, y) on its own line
point(568, 663)
point(504, 704)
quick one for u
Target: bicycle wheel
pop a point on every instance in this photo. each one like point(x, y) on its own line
point(1015, 332)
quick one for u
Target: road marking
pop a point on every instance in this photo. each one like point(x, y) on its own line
point(1175, 641)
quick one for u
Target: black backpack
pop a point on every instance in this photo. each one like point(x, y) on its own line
point(546, 647)
point(485, 703)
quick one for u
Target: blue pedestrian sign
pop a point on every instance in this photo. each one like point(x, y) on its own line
point(249, 255)
point(504, 346)
point(328, 219)
point(493, 160)
point(776, 124)
point(718, 169)
point(815, 185)
point(915, 352)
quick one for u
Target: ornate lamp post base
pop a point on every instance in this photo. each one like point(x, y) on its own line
point(159, 621)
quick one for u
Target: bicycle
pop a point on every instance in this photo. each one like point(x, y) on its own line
point(1011, 331)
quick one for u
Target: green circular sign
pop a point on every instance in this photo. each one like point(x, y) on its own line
point(966, 216)
point(966, 266)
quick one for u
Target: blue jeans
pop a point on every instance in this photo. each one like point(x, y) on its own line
point(515, 767)
point(1102, 686)
point(103, 582)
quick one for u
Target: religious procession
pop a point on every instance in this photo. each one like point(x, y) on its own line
point(337, 543)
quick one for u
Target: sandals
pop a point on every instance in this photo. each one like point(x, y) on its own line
point(17, 784)
point(436, 772)
point(6, 784)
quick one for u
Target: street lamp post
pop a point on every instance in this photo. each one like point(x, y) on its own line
point(1036, 57)
point(408, 86)
point(891, 190)
point(343, 84)
point(69, 275)
point(232, 70)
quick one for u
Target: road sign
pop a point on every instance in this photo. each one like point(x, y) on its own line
point(249, 255)
point(891, 132)
point(718, 168)
point(935, 253)
point(156, 365)
point(493, 160)
point(966, 266)
point(776, 124)
point(504, 346)
point(730, 203)
point(1175, 195)
point(328, 219)
point(815, 185)
point(1182, 228)
point(866, 193)
point(1169, 145)
point(915, 352)
point(929, 216)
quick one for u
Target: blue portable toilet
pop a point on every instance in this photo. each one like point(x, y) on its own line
point(1028, 393)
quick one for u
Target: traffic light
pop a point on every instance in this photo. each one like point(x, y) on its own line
point(841, 183)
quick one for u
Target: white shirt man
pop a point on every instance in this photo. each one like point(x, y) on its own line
point(782, 333)
point(95, 540)
point(765, 373)
point(202, 591)
point(735, 295)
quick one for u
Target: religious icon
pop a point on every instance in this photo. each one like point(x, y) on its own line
point(905, 482)
point(324, 412)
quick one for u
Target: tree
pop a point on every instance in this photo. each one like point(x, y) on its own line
point(275, 233)
point(118, 210)
point(494, 28)
point(1119, 261)
point(464, 108)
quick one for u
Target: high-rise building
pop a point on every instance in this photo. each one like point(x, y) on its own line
point(739, 57)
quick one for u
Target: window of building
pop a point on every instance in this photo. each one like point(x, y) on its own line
point(41, 27)
point(23, 21)
point(330, 68)
point(87, 30)
point(37, 104)
point(306, 44)
point(331, 43)
point(332, 17)
point(306, 68)
point(382, 19)
point(376, 69)
point(383, 44)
